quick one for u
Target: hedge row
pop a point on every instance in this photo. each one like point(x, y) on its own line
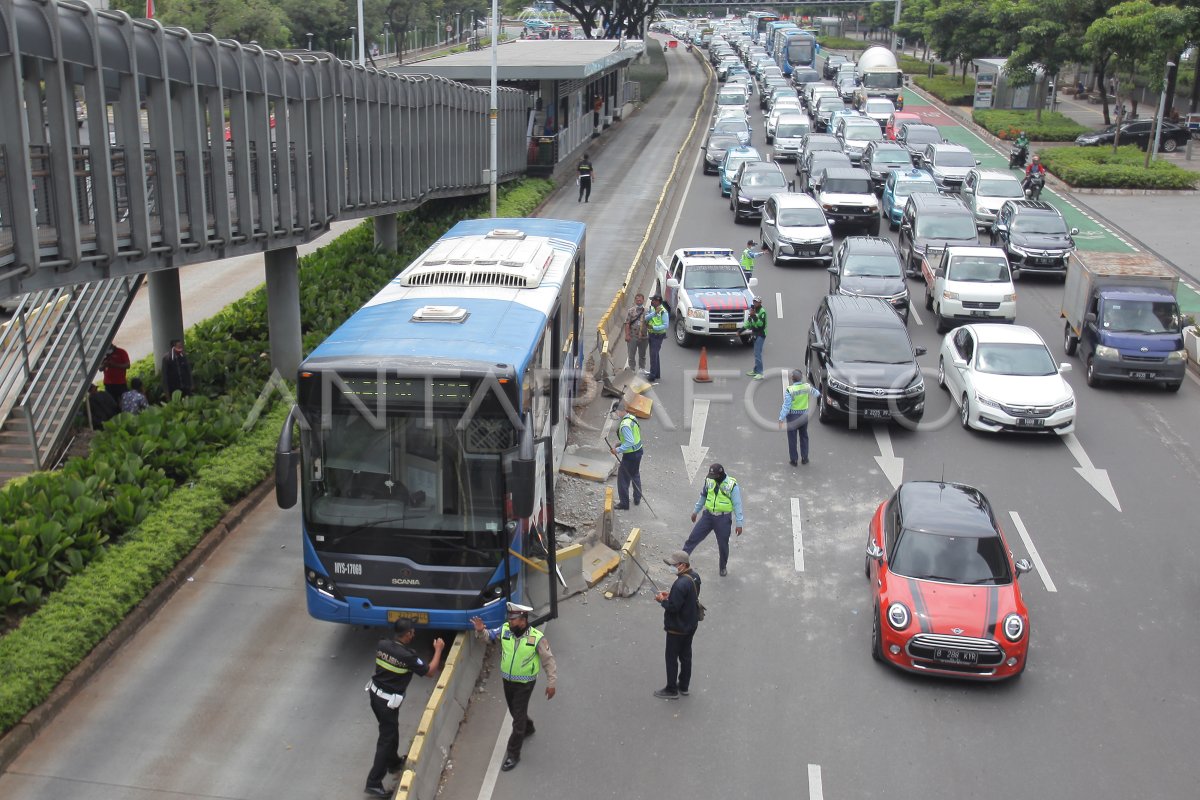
point(1053, 127)
point(950, 90)
point(1100, 168)
point(915, 66)
point(842, 43)
point(115, 522)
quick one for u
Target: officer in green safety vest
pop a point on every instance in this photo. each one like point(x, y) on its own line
point(629, 450)
point(656, 322)
point(748, 256)
point(719, 504)
point(524, 652)
point(793, 417)
point(395, 664)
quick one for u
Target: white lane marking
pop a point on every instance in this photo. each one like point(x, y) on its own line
point(797, 534)
point(493, 768)
point(679, 213)
point(912, 312)
point(779, 304)
point(1033, 553)
point(815, 792)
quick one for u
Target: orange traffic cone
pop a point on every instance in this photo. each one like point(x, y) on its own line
point(701, 375)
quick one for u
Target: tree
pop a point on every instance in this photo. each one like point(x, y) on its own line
point(1050, 36)
point(616, 17)
point(914, 25)
point(242, 20)
point(963, 30)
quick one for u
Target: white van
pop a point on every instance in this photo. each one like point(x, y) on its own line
point(794, 228)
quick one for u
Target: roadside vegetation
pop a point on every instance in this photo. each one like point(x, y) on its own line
point(1099, 167)
point(650, 75)
point(1052, 127)
point(89, 541)
point(950, 90)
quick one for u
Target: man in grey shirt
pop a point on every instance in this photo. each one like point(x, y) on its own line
point(637, 336)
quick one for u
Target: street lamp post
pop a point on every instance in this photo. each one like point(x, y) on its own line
point(437, 31)
point(495, 159)
point(386, 27)
point(458, 27)
point(1162, 107)
point(352, 30)
point(310, 38)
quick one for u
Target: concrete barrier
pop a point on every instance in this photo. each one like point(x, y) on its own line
point(439, 723)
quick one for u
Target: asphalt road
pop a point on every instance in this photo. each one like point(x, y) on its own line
point(786, 700)
point(233, 692)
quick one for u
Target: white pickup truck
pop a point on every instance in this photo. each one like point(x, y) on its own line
point(969, 284)
point(705, 291)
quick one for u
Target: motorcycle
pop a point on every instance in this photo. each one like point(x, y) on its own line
point(1017, 157)
point(1034, 185)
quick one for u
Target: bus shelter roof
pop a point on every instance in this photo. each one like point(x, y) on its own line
point(533, 59)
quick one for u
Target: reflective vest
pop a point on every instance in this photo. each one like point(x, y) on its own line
point(519, 659)
point(799, 392)
point(758, 322)
point(585, 170)
point(657, 320)
point(748, 259)
point(629, 423)
point(720, 498)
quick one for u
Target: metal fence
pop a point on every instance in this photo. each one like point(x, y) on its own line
point(214, 148)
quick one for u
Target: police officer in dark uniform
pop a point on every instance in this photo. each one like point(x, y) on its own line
point(586, 173)
point(395, 664)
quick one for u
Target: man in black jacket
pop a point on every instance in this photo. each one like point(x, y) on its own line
point(176, 371)
point(681, 616)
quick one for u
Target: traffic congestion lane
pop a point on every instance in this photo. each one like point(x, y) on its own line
point(820, 612)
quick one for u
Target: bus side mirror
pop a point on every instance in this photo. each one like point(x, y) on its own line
point(522, 473)
point(287, 461)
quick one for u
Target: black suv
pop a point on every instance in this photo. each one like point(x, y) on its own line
point(830, 67)
point(1034, 236)
point(754, 182)
point(869, 266)
point(930, 223)
point(914, 136)
point(862, 362)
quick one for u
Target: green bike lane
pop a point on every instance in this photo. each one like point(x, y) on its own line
point(1094, 235)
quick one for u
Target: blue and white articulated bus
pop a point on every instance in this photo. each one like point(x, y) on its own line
point(796, 48)
point(431, 426)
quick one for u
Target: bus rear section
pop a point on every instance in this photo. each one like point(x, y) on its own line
point(410, 416)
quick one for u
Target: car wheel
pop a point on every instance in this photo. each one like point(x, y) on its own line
point(892, 226)
point(1170, 146)
point(824, 415)
point(682, 337)
point(1070, 340)
point(964, 413)
point(943, 324)
point(942, 372)
point(1089, 374)
point(928, 299)
point(876, 636)
point(1173, 386)
point(873, 228)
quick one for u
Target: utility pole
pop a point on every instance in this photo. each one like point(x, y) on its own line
point(492, 114)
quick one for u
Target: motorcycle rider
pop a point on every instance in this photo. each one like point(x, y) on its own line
point(1020, 151)
point(1034, 173)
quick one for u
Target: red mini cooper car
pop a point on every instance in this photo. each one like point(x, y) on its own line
point(944, 585)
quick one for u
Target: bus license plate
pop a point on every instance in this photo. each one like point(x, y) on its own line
point(727, 326)
point(419, 617)
point(1143, 376)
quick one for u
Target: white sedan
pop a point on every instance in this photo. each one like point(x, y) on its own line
point(1004, 378)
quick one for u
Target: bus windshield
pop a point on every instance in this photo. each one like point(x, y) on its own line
point(406, 481)
point(800, 53)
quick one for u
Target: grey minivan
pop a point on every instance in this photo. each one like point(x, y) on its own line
point(930, 223)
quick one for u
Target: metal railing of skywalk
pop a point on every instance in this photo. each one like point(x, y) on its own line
point(214, 148)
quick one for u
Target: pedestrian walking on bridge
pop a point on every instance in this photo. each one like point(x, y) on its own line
point(719, 504)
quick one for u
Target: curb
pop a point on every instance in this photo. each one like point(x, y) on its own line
point(33, 723)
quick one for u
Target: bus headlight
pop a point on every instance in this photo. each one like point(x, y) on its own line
point(323, 584)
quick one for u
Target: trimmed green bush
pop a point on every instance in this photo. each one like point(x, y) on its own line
point(1099, 168)
point(948, 89)
point(843, 43)
point(92, 539)
point(1054, 127)
point(915, 66)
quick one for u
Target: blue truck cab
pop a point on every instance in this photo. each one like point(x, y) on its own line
point(1122, 317)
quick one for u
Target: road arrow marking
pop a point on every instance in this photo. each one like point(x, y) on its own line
point(1033, 553)
point(779, 304)
point(693, 452)
point(815, 790)
point(1098, 478)
point(797, 534)
point(892, 467)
